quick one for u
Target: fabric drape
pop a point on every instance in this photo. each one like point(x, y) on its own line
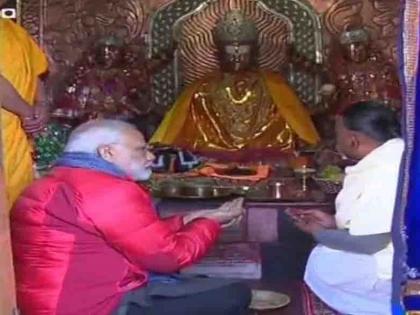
point(21, 62)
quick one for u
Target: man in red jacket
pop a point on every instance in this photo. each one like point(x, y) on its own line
point(86, 236)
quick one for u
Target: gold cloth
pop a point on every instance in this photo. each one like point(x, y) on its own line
point(237, 111)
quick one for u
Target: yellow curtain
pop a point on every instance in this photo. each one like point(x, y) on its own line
point(21, 62)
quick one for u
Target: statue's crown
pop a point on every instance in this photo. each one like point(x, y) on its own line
point(354, 36)
point(234, 26)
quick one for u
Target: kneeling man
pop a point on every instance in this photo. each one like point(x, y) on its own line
point(351, 268)
point(86, 236)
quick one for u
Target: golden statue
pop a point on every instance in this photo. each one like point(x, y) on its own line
point(361, 73)
point(239, 113)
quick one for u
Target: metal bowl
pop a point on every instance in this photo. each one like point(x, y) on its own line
point(193, 191)
point(284, 190)
point(328, 186)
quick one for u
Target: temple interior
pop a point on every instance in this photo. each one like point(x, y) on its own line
point(236, 98)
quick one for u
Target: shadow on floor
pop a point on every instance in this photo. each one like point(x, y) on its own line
point(285, 260)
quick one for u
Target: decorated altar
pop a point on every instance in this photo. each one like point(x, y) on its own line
point(166, 60)
point(237, 98)
point(175, 46)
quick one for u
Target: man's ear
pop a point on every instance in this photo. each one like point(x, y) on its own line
point(106, 152)
point(354, 141)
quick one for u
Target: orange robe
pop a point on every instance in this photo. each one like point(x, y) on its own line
point(21, 62)
point(267, 119)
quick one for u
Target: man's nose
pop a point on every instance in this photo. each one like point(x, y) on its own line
point(150, 156)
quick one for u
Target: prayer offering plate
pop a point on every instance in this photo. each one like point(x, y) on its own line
point(285, 196)
point(268, 300)
point(236, 171)
point(283, 190)
point(183, 191)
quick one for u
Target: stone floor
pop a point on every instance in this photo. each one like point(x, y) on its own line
point(284, 264)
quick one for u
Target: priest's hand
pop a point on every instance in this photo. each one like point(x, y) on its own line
point(310, 227)
point(326, 220)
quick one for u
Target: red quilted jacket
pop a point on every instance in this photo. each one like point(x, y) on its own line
point(81, 238)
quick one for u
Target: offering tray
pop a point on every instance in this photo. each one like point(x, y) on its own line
point(287, 190)
point(236, 171)
point(188, 190)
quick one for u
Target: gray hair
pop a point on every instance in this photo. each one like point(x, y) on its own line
point(89, 136)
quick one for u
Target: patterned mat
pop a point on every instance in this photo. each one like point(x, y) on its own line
point(312, 305)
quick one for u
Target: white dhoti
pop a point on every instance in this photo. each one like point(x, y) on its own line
point(348, 282)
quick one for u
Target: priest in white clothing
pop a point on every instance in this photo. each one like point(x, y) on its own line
point(351, 267)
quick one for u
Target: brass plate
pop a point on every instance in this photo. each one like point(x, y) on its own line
point(192, 192)
point(236, 171)
point(299, 196)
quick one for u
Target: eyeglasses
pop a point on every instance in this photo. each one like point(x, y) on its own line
point(144, 148)
point(141, 148)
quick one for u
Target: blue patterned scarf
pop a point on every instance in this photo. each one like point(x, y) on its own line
point(90, 161)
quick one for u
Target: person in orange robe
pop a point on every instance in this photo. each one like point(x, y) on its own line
point(24, 110)
point(240, 113)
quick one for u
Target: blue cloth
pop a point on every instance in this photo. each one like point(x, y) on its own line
point(397, 309)
point(412, 215)
point(406, 232)
point(412, 303)
point(398, 220)
point(90, 161)
point(156, 277)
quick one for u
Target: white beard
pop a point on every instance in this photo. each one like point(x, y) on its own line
point(139, 172)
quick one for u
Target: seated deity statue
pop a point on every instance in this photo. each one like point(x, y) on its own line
point(109, 81)
point(362, 74)
point(239, 113)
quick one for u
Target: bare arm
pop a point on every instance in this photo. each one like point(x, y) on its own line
point(41, 97)
point(41, 108)
point(34, 118)
point(12, 101)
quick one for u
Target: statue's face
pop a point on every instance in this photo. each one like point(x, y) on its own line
point(357, 52)
point(108, 55)
point(236, 56)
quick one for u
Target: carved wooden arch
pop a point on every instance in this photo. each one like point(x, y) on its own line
point(190, 23)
